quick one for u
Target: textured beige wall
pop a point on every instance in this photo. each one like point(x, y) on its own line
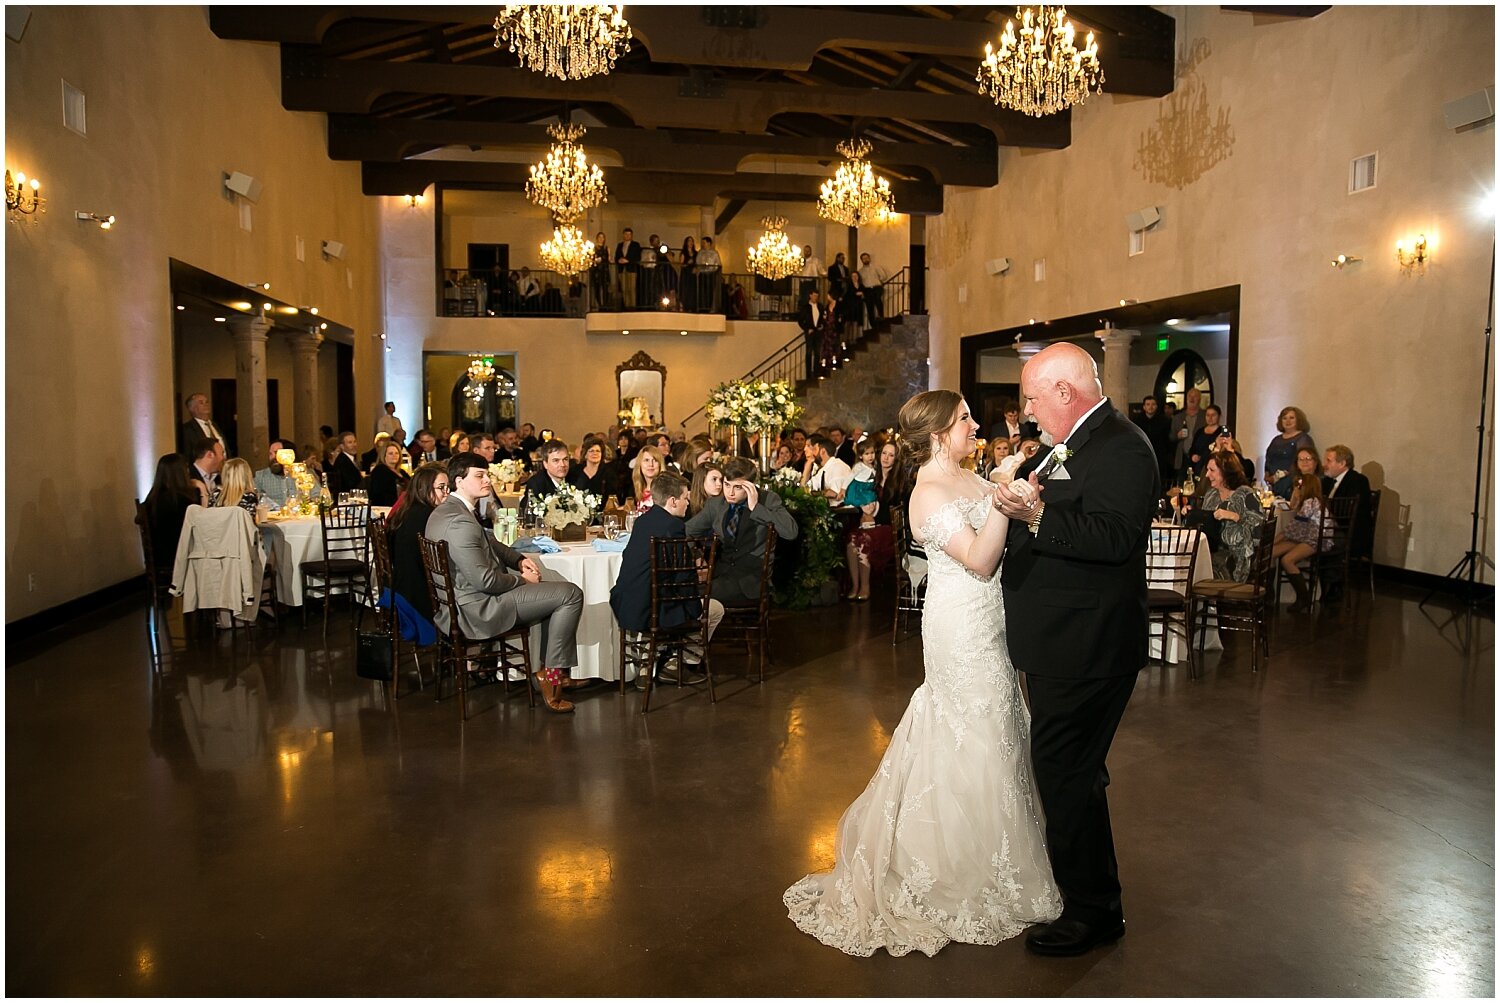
point(1386, 363)
point(88, 313)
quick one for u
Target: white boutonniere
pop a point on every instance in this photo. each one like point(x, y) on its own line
point(1060, 454)
point(1052, 466)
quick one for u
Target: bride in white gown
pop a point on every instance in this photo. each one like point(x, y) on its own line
point(946, 843)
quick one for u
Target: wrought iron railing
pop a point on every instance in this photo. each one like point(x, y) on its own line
point(736, 295)
point(791, 361)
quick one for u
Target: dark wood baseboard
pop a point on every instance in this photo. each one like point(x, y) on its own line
point(1422, 581)
point(29, 629)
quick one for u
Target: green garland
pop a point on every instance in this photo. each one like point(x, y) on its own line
point(818, 533)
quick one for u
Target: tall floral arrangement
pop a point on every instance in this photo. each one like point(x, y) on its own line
point(819, 555)
point(754, 405)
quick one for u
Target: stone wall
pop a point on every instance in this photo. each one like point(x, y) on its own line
point(870, 390)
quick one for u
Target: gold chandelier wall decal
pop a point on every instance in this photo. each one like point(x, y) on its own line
point(566, 183)
point(855, 194)
point(775, 256)
point(569, 41)
point(1040, 72)
point(567, 253)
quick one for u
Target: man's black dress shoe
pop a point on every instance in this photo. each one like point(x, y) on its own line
point(1065, 938)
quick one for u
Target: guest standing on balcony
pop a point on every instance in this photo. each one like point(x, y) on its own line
point(838, 276)
point(709, 279)
point(599, 273)
point(812, 272)
point(689, 278)
point(627, 266)
point(647, 287)
point(873, 277)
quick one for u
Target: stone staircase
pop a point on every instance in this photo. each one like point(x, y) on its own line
point(885, 368)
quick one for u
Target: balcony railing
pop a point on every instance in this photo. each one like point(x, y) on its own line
point(738, 296)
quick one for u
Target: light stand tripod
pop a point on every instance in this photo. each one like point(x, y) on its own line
point(1467, 567)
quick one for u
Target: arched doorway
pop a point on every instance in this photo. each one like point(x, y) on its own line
point(1184, 370)
point(484, 405)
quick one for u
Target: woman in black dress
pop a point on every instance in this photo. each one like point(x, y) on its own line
point(687, 285)
point(429, 488)
point(166, 504)
point(592, 474)
point(387, 479)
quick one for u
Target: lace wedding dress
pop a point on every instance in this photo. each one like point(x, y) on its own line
point(946, 843)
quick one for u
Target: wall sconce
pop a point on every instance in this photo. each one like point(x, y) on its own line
point(1344, 259)
point(19, 201)
point(412, 201)
point(264, 286)
point(1414, 256)
point(105, 222)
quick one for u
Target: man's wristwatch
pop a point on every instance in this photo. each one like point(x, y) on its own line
point(1034, 523)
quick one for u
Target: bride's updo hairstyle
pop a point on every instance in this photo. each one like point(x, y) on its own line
point(929, 413)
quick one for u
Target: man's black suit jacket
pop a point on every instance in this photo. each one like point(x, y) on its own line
point(805, 317)
point(631, 252)
point(1075, 593)
point(630, 597)
point(1355, 485)
point(538, 485)
point(343, 475)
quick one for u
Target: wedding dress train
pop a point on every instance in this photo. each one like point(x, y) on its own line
point(946, 843)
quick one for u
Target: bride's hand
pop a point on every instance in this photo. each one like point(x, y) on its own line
point(1016, 501)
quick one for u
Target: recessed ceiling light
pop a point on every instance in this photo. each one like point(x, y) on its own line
point(265, 306)
point(624, 332)
point(1174, 322)
point(219, 319)
point(181, 307)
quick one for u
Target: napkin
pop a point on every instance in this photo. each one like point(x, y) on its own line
point(538, 545)
point(604, 546)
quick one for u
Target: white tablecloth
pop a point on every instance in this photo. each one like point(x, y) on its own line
point(1202, 568)
point(292, 541)
point(598, 633)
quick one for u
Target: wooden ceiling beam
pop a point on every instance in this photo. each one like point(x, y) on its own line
point(654, 150)
point(310, 83)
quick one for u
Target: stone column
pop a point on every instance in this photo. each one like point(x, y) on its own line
point(1116, 375)
point(305, 388)
point(252, 418)
point(1026, 349)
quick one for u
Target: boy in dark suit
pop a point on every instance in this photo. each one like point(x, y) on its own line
point(740, 516)
point(630, 597)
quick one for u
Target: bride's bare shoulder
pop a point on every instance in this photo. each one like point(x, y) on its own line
point(927, 497)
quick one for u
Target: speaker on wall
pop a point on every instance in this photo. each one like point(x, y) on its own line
point(1142, 219)
point(998, 266)
point(244, 185)
point(333, 249)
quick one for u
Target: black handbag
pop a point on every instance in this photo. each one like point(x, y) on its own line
point(374, 656)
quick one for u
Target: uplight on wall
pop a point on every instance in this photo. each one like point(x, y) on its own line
point(1412, 254)
point(105, 222)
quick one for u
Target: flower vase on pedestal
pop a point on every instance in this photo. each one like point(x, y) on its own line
point(765, 449)
point(734, 440)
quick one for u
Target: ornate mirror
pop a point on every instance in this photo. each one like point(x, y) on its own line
point(642, 384)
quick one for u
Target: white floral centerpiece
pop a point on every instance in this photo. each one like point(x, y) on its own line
point(786, 477)
point(565, 508)
point(754, 405)
point(505, 474)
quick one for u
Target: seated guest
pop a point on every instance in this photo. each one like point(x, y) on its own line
point(528, 440)
point(680, 458)
point(1227, 441)
point(509, 448)
point(424, 448)
point(429, 487)
point(458, 442)
point(1341, 480)
point(702, 452)
point(785, 457)
point(1300, 538)
point(648, 465)
point(237, 486)
point(483, 445)
point(166, 504)
point(273, 482)
point(1230, 516)
point(1000, 451)
point(345, 474)
point(387, 480)
point(825, 472)
point(368, 461)
point(630, 597)
point(863, 469)
point(592, 475)
point(739, 517)
point(708, 482)
point(207, 456)
point(546, 481)
point(843, 445)
point(497, 588)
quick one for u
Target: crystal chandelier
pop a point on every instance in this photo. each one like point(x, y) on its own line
point(775, 257)
point(567, 253)
point(566, 183)
point(569, 41)
point(1041, 72)
point(481, 369)
point(855, 194)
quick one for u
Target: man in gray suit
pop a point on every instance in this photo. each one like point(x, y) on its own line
point(740, 517)
point(498, 588)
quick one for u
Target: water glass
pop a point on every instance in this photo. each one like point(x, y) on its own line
point(611, 527)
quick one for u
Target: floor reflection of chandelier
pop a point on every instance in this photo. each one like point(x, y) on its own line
point(567, 253)
point(1041, 72)
point(774, 257)
point(569, 41)
point(566, 183)
point(855, 194)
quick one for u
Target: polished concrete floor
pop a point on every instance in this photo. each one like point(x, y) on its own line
point(261, 821)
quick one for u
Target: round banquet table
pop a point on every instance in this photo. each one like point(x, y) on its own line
point(292, 541)
point(598, 633)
